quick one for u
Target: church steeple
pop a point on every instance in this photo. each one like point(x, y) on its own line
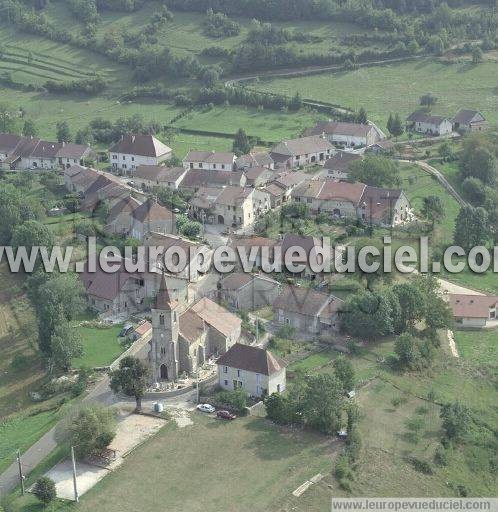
point(163, 299)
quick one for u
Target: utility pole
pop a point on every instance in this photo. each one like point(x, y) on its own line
point(21, 476)
point(257, 329)
point(75, 485)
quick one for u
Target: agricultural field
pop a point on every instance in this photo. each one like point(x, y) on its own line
point(32, 60)
point(398, 87)
point(269, 126)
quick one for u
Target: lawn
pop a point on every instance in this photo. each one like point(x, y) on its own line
point(479, 346)
point(101, 346)
point(245, 465)
point(398, 87)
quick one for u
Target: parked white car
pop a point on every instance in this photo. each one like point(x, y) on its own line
point(205, 408)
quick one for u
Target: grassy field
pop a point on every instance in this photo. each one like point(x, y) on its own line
point(398, 87)
point(101, 346)
point(478, 346)
point(267, 125)
point(190, 468)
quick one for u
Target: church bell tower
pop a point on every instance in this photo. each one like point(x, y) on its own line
point(163, 355)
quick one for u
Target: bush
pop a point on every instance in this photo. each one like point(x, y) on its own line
point(441, 456)
point(44, 490)
point(421, 465)
point(343, 468)
point(236, 400)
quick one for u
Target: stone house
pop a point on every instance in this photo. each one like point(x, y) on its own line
point(259, 159)
point(120, 218)
point(469, 121)
point(151, 217)
point(252, 369)
point(232, 206)
point(195, 179)
point(347, 134)
point(338, 165)
point(133, 150)
point(124, 292)
point(294, 153)
point(307, 310)
point(210, 160)
point(23, 153)
point(428, 124)
point(259, 176)
point(355, 200)
point(242, 291)
point(149, 176)
point(474, 311)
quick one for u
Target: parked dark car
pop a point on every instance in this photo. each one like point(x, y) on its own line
point(226, 415)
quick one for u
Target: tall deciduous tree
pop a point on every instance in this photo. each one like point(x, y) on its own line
point(471, 227)
point(131, 379)
point(433, 209)
point(66, 344)
point(241, 144)
point(29, 128)
point(63, 132)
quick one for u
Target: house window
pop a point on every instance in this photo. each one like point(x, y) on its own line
point(132, 158)
point(222, 166)
point(124, 158)
point(114, 157)
point(239, 373)
point(225, 369)
point(225, 382)
point(214, 166)
point(161, 319)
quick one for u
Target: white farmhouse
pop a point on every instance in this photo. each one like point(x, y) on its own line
point(134, 150)
point(428, 124)
point(347, 134)
point(210, 160)
point(252, 369)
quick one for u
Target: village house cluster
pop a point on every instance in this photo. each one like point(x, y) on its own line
point(190, 325)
